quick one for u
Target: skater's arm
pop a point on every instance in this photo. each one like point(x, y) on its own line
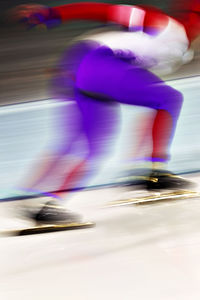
point(129, 16)
point(84, 11)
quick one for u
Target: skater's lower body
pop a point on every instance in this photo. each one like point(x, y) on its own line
point(97, 82)
point(104, 78)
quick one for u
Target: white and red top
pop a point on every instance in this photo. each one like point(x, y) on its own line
point(159, 42)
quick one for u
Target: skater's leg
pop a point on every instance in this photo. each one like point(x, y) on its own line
point(100, 124)
point(99, 119)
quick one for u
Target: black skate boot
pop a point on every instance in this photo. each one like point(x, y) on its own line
point(162, 179)
point(134, 177)
point(53, 213)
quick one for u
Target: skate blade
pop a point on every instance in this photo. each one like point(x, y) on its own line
point(38, 229)
point(155, 197)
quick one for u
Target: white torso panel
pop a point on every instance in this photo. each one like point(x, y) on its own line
point(162, 53)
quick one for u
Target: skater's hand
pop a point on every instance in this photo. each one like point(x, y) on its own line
point(34, 15)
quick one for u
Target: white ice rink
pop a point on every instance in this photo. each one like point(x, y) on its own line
point(135, 252)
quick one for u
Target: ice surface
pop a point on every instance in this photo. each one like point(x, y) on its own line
point(139, 252)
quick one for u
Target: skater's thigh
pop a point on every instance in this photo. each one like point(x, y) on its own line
point(106, 76)
point(100, 123)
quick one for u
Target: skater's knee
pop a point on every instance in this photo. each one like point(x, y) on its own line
point(172, 102)
point(178, 97)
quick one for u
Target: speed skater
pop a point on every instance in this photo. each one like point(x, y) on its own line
point(124, 66)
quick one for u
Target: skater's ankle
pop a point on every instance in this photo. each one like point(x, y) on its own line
point(159, 166)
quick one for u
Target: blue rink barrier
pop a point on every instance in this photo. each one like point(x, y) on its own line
point(19, 196)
